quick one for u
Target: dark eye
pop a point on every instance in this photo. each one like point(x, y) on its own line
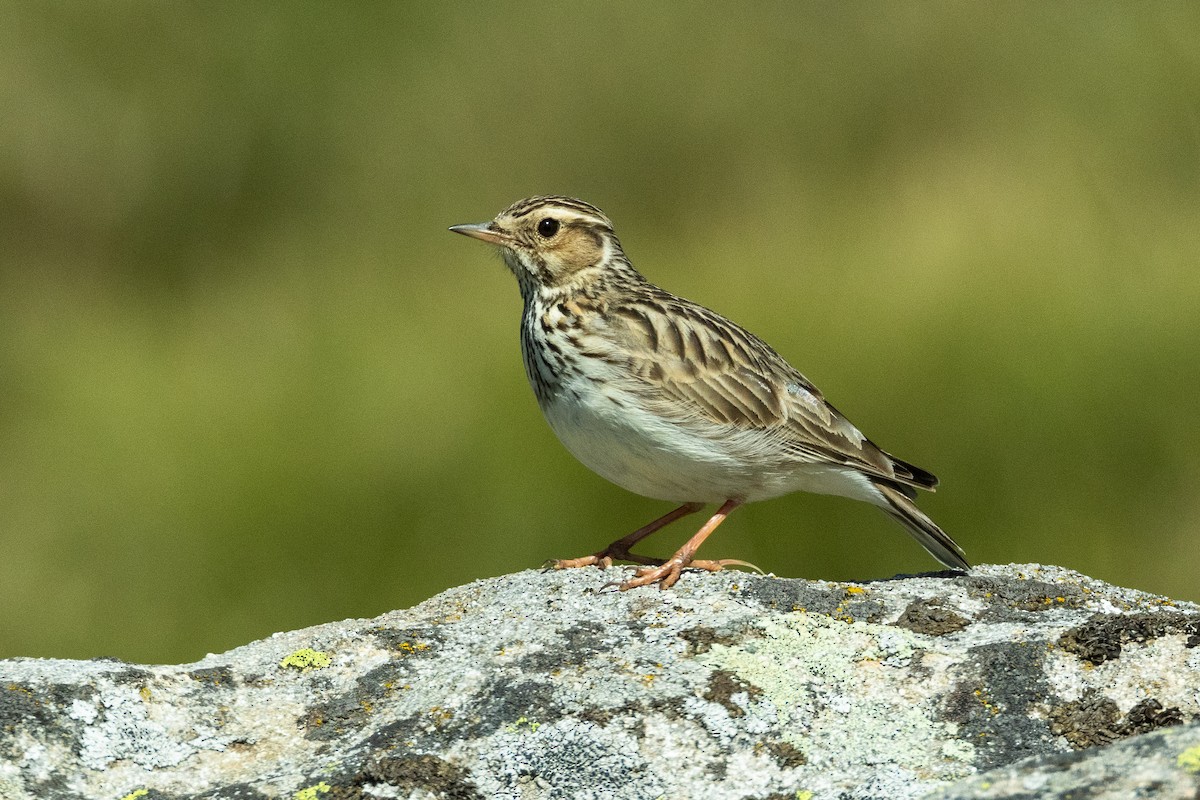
point(548, 227)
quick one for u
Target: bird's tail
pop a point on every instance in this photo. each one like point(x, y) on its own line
point(898, 505)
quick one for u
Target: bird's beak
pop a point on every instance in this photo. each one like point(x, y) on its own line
point(484, 231)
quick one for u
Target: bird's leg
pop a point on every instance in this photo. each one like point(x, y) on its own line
point(668, 572)
point(619, 550)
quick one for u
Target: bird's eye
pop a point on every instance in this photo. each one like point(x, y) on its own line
point(548, 227)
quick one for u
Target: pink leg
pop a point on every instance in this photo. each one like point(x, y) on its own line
point(619, 550)
point(666, 574)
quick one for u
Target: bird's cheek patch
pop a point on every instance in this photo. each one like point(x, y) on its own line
point(581, 250)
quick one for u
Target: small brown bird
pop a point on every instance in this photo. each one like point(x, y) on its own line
point(671, 400)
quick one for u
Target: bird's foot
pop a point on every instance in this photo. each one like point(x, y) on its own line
point(619, 550)
point(669, 572)
point(603, 559)
point(665, 575)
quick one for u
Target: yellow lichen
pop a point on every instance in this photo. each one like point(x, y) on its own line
point(513, 728)
point(1189, 760)
point(312, 792)
point(135, 794)
point(306, 659)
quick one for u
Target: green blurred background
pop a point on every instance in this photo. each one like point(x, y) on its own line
point(249, 382)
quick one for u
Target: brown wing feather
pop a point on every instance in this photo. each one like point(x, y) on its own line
point(686, 356)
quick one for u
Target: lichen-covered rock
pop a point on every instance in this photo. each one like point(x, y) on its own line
point(1164, 765)
point(544, 685)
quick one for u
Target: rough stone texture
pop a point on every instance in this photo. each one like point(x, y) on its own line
point(1008, 682)
point(1164, 765)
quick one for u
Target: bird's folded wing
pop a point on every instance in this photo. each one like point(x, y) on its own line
point(688, 361)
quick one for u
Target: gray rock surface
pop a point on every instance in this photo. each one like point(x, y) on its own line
point(1011, 681)
point(1164, 765)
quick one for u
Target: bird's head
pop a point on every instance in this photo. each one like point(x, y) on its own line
point(552, 243)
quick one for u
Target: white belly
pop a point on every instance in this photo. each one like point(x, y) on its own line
point(664, 461)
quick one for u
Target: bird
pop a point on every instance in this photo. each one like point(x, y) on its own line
point(672, 401)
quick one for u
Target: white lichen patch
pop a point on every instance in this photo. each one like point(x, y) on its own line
point(849, 695)
point(127, 732)
point(83, 710)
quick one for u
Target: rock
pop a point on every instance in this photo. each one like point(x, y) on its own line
point(1164, 765)
point(1011, 681)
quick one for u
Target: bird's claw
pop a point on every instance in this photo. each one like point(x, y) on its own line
point(720, 564)
point(602, 560)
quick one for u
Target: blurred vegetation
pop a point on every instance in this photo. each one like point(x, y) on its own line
point(248, 382)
